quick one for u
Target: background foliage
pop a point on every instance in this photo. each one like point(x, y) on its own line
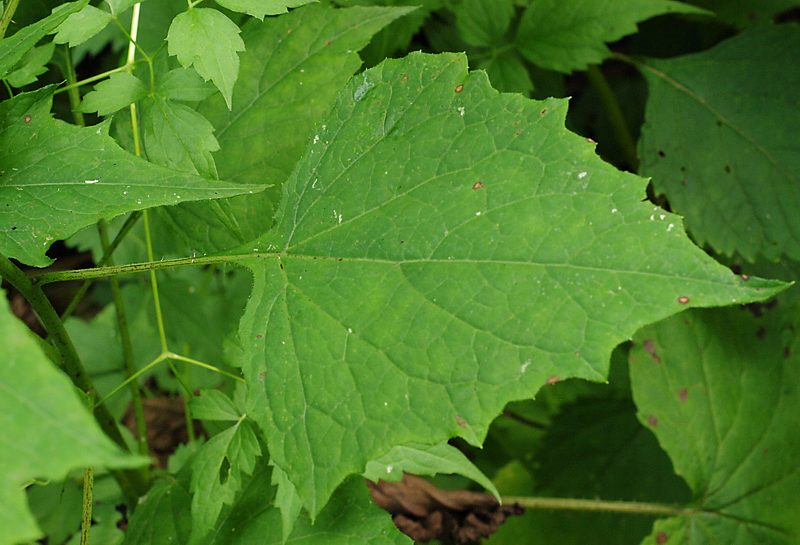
point(411, 261)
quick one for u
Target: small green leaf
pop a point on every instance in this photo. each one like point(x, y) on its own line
point(568, 35)
point(115, 93)
point(483, 22)
point(720, 390)
point(287, 500)
point(162, 517)
point(81, 26)
point(734, 172)
point(56, 178)
point(260, 8)
point(13, 48)
point(443, 249)
point(441, 459)
point(218, 470)
point(47, 430)
point(209, 41)
point(178, 137)
point(33, 64)
point(213, 405)
point(184, 84)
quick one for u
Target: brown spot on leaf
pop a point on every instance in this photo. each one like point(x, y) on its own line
point(460, 421)
point(518, 132)
point(652, 420)
point(543, 112)
point(424, 512)
point(259, 337)
point(478, 185)
point(328, 42)
point(661, 538)
point(459, 87)
point(661, 153)
point(683, 299)
point(27, 118)
point(683, 394)
point(745, 277)
point(553, 379)
point(760, 333)
point(650, 347)
point(262, 376)
point(786, 352)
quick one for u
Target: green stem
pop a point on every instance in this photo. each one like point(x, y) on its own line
point(42, 278)
point(126, 227)
point(8, 13)
point(86, 518)
point(72, 91)
point(574, 504)
point(614, 113)
point(132, 482)
point(91, 79)
point(127, 347)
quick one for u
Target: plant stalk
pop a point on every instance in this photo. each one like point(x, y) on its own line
point(86, 517)
point(575, 504)
point(8, 13)
point(127, 347)
point(73, 93)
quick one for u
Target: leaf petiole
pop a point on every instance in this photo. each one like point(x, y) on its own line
point(576, 504)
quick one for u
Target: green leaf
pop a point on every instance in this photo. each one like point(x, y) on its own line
point(13, 48)
point(177, 137)
point(82, 25)
point(508, 73)
point(47, 430)
point(209, 41)
point(426, 460)
point(291, 71)
point(287, 500)
point(483, 22)
point(218, 471)
point(115, 93)
point(568, 35)
point(720, 391)
point(56, 178)
point(733, 173)
point(442, 250)
point(350, 518)
point(162, 516)
point(213, 405)
point(260, 8)
point(183, 84)
point(32, 64)
point(744, 13)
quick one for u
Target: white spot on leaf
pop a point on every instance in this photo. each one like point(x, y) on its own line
point(91, 181)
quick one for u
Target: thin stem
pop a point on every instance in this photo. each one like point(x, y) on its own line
point(615, 116)
point(575, 504)
point(162, 335)
point(91, 79)
point(126, 228)
point(41, 278)
point(86, 517)
point(127, 347)
point(72, 92)
point(156, 361)
point(132, 482)
point(8, 13)
point(187, 395)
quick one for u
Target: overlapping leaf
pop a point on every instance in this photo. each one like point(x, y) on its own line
point(570, 35)
point(56, 178)
point(47, 430)
point(443, 249)
point(260, 8)
point(733, 173)
point(720, 390)
point(744, 13)
point(291, 71)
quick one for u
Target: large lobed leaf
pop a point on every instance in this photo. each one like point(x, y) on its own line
point(720, 390)
point(47, 431)
point(56, 178)
point(443, 249)
point(733, 172)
